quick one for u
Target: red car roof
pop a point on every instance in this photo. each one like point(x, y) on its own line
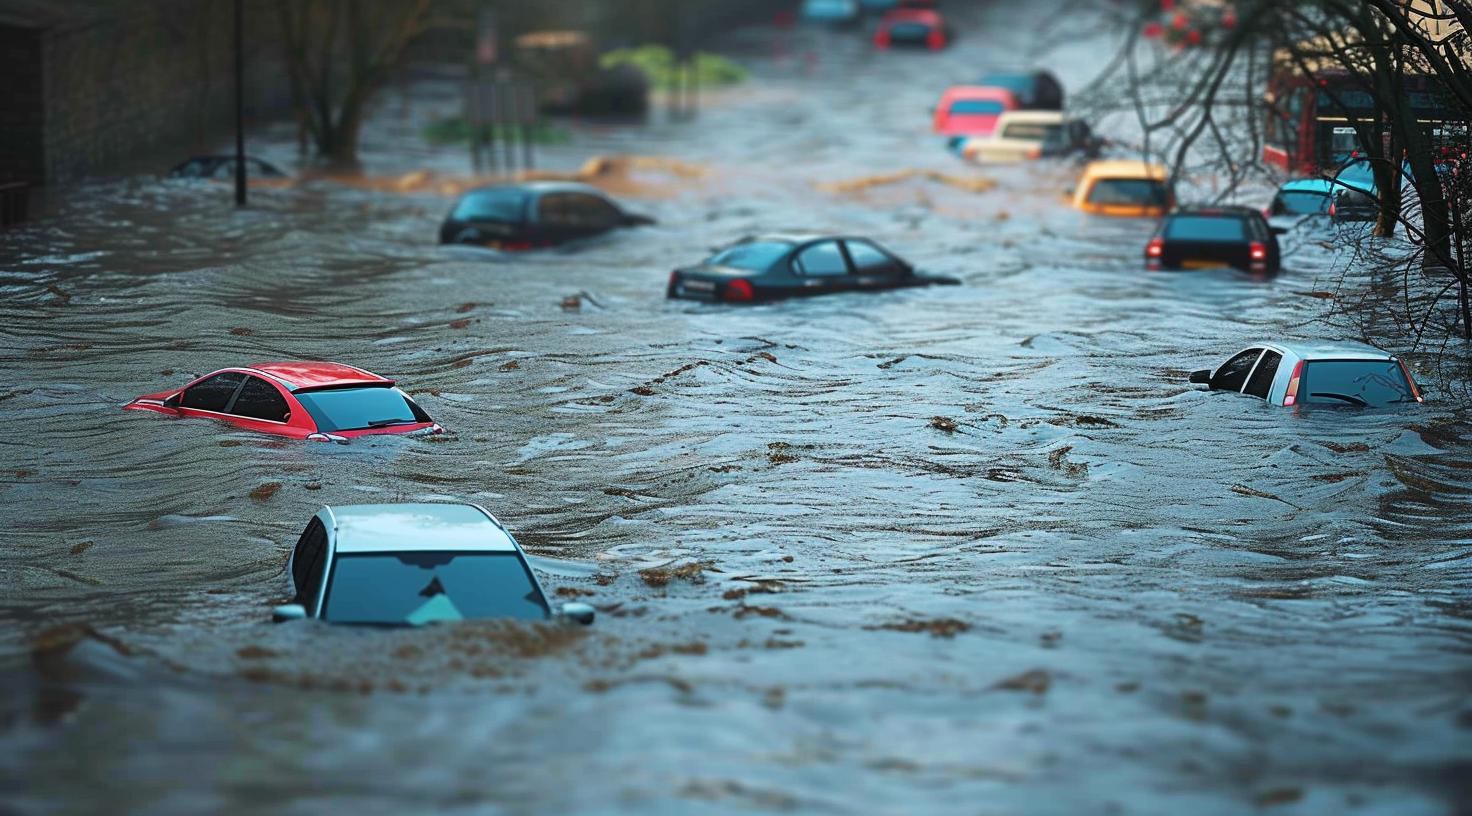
point(301, 375)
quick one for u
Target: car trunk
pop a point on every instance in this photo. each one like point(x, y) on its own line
point(1179, 254)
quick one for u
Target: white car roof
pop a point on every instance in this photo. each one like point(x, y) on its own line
point(1332, 351)
point(417, 528)
point(1039, 117)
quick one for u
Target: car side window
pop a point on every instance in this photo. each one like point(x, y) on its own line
point(870, 259)
point(301, 559)
point(594, 212)
point(212, 394)
point(1261, 381)
point(552, 208)
point(1233, 373)
point(822, 259)
point(260, 400)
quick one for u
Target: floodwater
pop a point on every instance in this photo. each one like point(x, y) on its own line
point(1086, 589)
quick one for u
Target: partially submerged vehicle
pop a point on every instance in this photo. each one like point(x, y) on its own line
point(1124, 188)
point(314, 401)
point(412, 565)
point(970, 110)
point(534, 215)
point(1343, 374)
point(1023, 135)
point(1035, 90)
point(1207, 237)
point(222, 168)
point(831, 12)
point(769, 267)
point(912, 26)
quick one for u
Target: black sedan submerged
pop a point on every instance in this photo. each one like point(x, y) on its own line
point(768, 267)
point(534, 215)
point(1204, 237)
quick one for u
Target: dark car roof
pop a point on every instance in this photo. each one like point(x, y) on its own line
point(540, 188)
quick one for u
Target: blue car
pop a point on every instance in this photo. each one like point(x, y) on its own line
point(831, 12)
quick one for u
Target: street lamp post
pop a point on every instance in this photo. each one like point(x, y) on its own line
point(239, 104)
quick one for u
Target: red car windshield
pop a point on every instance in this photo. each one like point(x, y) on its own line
point(360, 406)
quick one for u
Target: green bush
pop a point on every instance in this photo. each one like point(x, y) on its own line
point(458, 131)
point(658, 63)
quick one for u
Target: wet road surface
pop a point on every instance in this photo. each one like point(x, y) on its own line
point(968, 549)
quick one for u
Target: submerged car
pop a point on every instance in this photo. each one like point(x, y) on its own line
point(315, 401)
point(912, 26)
point(769, 267)
point(1023, 135)
point(223, 168)
point(1206, 237)
point(1035, 90)
point(1297, 200)
point(970, 110)
point(1331, 374)
point(515, 217)
point(830, 12)
point(1124, 188)
point(411, 565)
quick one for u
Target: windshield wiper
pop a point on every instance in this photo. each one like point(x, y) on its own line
point(383, 423)
point(1349, 398)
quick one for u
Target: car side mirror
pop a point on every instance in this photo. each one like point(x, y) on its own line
point(288, 612)
point(578, 612)
point(1202, 377)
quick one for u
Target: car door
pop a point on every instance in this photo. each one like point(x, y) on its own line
point(1232, 376)
point(1260, 380)
point(211, 397)
point(260, 405)
point(822, 267)
point(873, 268)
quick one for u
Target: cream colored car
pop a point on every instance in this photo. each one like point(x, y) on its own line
point(1026, 135)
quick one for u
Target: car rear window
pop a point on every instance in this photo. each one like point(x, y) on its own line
point(357, 407)
point(754, 256)
point(909, 31)
point(1136, 192)
point(506, 206)
point(1300, 203)
point(1206, 228)
point(976, 107)
point(1033, 131)
point(1364, 383)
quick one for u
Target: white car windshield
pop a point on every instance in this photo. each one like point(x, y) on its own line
point(415, 588)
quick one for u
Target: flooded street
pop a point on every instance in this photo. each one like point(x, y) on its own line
point(974, 549)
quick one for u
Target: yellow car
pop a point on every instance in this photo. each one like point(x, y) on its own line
point(1129, 189)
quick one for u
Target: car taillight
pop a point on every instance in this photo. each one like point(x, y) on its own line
point(1291, 396)
point(1333, 207)
point(936, 40)
point(516, 246)
point(1415, 389)
point(1035, 153)
point(1258, 251)
point(881, 39)
point(738, 290)
point(1155, 248)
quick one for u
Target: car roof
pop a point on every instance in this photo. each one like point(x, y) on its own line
point(417, 527)
point(1034, 116)
point(298, 376)
point(912, 15)
point(1218, 210)
point(956, 92)
point(1307, 185)
point(539, 188)
point(1125, 168)
point(1330, 350)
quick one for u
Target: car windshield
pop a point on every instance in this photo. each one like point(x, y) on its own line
point(1033, 132)
point(1135, 192)
point(506, 206)
point(1301, 203)
point(1364, 383)
point(357, 407)
point(415, 588)
point(976, 107)
point(909, 31)
point(1205, 228)
point(755, 256)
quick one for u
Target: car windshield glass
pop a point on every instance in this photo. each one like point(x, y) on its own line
point(415, 588)
point(1302, 203)
point(356, 407)
point(1365, 383)
point(507, 206)
point(976, 107)
point(756, 256)
point(909, 31)
point(1033, 131)
point(1205, 228)
point(1135, 192)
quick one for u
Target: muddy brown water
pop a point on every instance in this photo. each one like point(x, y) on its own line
point(1102, 592)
